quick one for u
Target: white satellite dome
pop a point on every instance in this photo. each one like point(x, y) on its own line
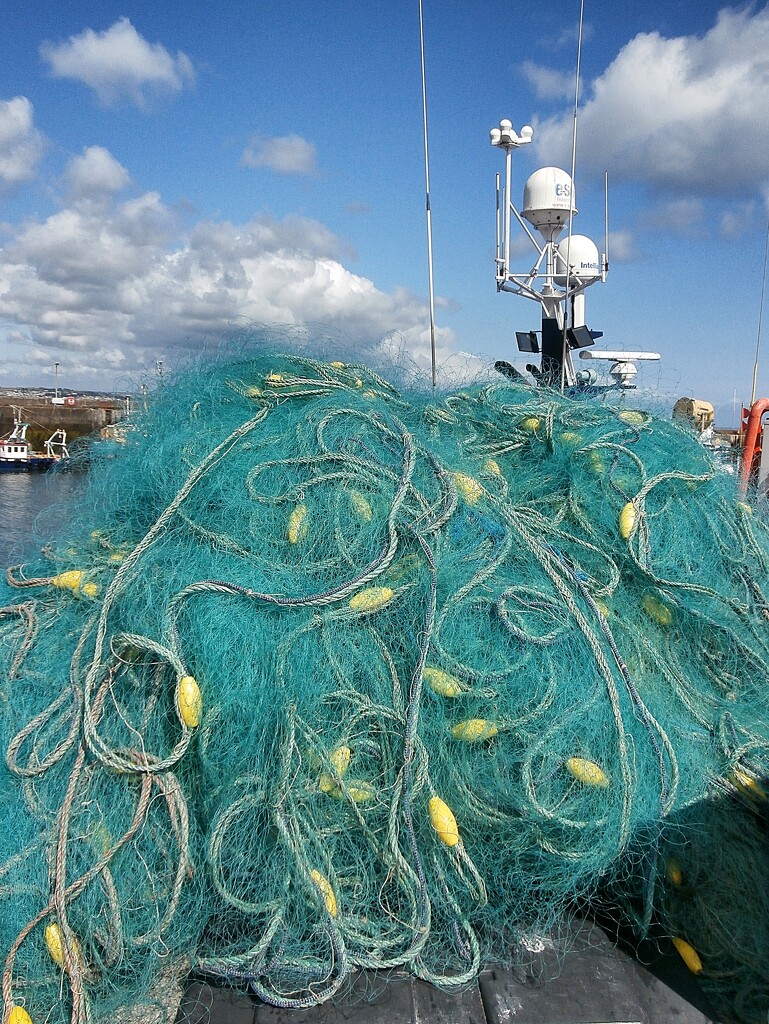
point(584, 260)
point(547, 197)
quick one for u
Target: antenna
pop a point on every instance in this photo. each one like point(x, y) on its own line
point(760, 318)
point(565, 349)
point(497, 259)
point(427, 200)
point(606, 224)
point(623, 369)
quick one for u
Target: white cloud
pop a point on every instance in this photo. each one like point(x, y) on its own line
point(21, 144)
point(622, 246)
point(736, 220)
point(95, 175)
point(683, 216)
point(106, 286)
point(686, 113)
point(569, 36)
point(287, 154)
point(546, 83)
point(118, 63)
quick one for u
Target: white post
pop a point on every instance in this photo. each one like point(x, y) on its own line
point(508, 202)
point(578, 306)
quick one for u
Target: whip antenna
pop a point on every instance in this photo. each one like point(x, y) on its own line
point(606, 222)
point(427, 200)
point(760, 318)
point(565, 354)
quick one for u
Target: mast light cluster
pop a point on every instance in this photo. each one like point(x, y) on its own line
point(563, 269)
point(505, 135)
point(549, 204)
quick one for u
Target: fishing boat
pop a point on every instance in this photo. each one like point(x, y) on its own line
point(16, 452)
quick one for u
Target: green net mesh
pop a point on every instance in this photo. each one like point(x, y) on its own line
point(323, 676)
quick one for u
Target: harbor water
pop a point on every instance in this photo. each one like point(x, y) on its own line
point(32, 507)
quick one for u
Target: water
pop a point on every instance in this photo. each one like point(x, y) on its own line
point(30, 511)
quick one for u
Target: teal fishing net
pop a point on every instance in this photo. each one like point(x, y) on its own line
point(322, 675)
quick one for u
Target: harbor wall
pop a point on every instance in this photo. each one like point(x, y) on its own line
point(78, 415)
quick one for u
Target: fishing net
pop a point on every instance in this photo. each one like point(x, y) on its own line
point(322, 675)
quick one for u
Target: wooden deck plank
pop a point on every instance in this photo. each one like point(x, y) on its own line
point(370, 999)
point(592, 983)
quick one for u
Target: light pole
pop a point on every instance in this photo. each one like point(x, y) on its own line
point(56, 375)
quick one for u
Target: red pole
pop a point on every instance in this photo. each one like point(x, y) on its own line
point(757, 410)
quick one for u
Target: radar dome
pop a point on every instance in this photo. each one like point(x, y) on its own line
point(546, 199)
point(584, 261)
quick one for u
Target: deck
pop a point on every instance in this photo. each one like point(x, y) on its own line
point(595, 983)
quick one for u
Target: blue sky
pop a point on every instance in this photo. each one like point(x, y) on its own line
point(169, 173)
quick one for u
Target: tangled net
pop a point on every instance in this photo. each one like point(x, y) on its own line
point(322, 676)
